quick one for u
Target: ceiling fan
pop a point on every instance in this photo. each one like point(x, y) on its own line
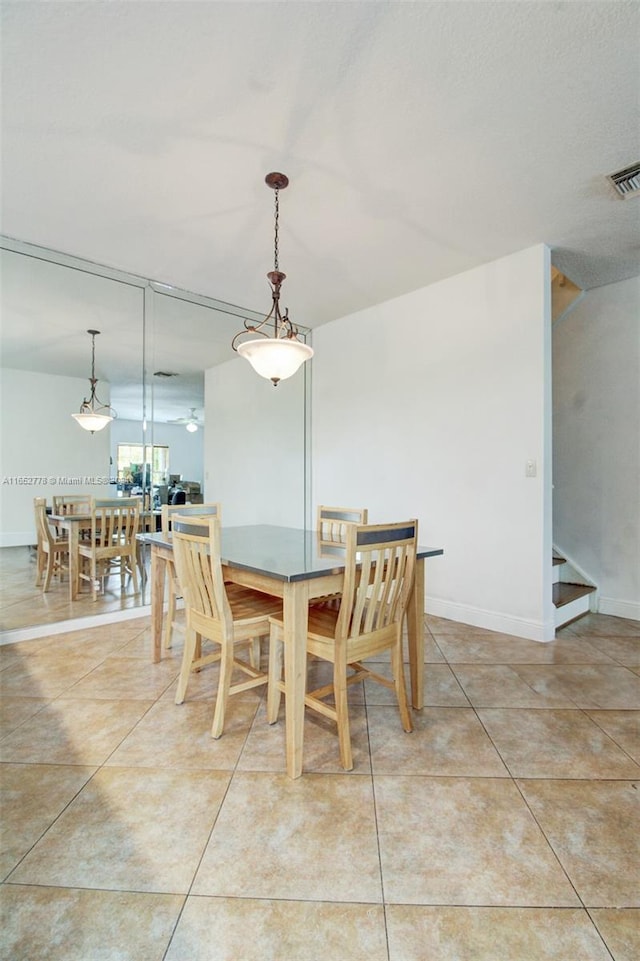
point(191, 422)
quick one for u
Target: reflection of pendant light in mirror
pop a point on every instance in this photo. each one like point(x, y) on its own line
point(280, 356)
point(192, 423)
point(94, 415)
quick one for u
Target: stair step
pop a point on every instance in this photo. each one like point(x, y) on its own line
point(558, 560)
point(566, 593)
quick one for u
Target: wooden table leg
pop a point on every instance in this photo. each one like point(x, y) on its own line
point(296, 620)
point(415, 631)
point(158, 571)
point(74, 561)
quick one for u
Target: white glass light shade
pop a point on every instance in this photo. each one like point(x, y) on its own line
point(92, 421)
point(192, 428)
point(274, 358)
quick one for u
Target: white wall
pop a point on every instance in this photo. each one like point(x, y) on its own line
point(596, 401)
point(429, 406)
point(186, 450)
point(41, 443)
point(255, 445)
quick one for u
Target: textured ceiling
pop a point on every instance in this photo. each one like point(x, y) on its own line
point(420, 138)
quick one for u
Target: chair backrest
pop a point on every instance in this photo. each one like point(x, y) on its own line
point(179, 497)
point(72, 503)
point(196, 554)
point(332, 522)
point(43, 531)
point(379, 575)
point(115, 522)
point(206, 510)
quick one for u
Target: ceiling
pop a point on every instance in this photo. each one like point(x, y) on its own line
point(420, 139)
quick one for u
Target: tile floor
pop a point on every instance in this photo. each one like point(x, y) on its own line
point(505, 828)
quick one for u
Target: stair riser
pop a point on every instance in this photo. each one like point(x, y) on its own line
point(569, 612)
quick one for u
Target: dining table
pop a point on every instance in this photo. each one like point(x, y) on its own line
point(73, 524)
point(297, 566)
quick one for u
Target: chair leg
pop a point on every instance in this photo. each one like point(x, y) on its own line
point(401, 690)
point(94, 578)
point(342, 715)
point(226, 670)
point(134, 570)
point(171, 614)
point(274, 694)
point(48, 572)
point(187, 661)
point(254, 653)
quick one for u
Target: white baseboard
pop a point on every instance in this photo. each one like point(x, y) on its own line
point(618, 608)
point(77, 624)
point(491, 620)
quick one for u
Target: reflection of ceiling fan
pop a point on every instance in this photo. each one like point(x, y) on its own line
point(191, 422)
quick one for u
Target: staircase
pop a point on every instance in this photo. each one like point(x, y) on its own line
point(572, 598)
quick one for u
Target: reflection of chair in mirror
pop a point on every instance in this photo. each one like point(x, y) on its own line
point(111, 542)
point(53, 551)
point(331, 527)
point(207, 510)
point(379, 574)
point(72, 503)
point(227, 615)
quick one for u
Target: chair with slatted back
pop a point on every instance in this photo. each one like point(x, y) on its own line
point(175, 591)
point(379, 575)
point(227, 616)
point(331, 528)
point(110, 542)
point(72, 503)
point(53, 551)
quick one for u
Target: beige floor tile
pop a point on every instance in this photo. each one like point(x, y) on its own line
point(623, 727)
point(620, 930)
point(624, 650)
point(309, 839)
point(203, 684)
point(127, 679)
point(504, 685)
point(555, 744)
point(441, 687)
point(179, 737)
point(221, 929)
point(445, 741)
point(130, 830)
point(265, 748)
point(15, 710)
point(462, 841)
point(605, 686)
point(418, 933)
point(46, 675)
point(593, 829)
point(504, 649)
point(63, 924)
point(603, 625)
point(32, 797)
point(73, 732)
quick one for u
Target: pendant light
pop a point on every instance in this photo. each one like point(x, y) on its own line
point(94, 415)
point(279, 356)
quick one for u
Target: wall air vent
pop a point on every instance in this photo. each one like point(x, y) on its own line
point(627, 182)
point(164, 373)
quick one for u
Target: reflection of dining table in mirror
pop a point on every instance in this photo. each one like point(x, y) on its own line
point(75, 523)
point(286, 562)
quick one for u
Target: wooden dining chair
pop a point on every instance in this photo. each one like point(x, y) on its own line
point(378, 579)
point(53, 551)
point(175, 591)
point(72, 503)
point(331, 528)
point(111, 542)
point(331, 522)
point(226, 615)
